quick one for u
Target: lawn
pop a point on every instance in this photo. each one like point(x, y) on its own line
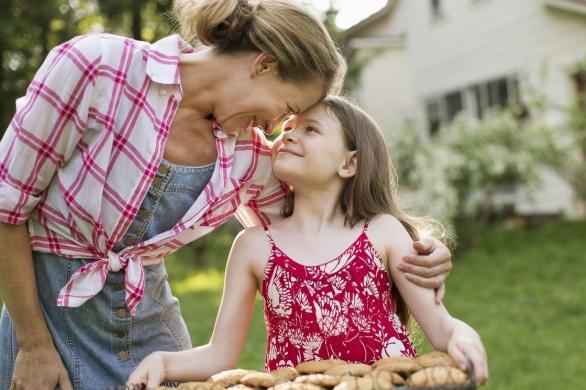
point(524, 290)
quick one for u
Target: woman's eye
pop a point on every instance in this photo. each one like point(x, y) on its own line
point(287, 128)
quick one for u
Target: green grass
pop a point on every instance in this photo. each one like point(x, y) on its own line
point(524, 290)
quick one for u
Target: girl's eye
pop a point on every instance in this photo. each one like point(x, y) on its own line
point(311, 130)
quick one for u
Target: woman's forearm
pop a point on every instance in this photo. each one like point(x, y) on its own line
point(18, 287)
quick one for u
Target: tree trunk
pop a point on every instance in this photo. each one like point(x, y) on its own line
point(136, 20)
point(199, 247)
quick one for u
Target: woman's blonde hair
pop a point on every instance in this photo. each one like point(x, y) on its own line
point(373, 189)
point(283, 29)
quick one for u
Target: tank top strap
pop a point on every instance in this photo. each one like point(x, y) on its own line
point(365, 227)
point(268, 233)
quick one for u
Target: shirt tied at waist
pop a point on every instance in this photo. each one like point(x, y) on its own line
point(89, 280)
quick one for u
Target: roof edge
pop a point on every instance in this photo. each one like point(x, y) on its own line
point(384, 11)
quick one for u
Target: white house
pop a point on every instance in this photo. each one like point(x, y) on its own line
point(432, 59)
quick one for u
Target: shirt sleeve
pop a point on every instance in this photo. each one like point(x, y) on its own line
point(265, 208)
point(48, 125)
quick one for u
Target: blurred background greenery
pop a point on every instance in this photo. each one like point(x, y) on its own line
point(518, 279)
point(30, 28)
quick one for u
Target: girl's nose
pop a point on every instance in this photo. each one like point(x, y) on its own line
point(288, 136)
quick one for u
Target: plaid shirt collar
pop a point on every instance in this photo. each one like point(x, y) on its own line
point(162, 64)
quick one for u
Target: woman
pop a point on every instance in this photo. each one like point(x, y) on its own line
point(122, 152)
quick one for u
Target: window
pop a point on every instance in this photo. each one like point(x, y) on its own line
point(453, 104)
point(477, 100)
point(436, 9)
point(498, 93)
point(480, 99)
point(433, 111)
point(580, 83)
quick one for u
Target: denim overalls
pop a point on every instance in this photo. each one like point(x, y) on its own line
point(99, 342)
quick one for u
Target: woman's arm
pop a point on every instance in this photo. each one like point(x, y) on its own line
point(444, 332)
point(38, 364)
point(43, 134)
point(430, 266)
point(230, 330)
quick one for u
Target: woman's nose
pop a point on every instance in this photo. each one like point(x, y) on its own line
point(275, 123)
point(280, 117)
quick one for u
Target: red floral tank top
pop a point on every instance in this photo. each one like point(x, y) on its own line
point(340, 309)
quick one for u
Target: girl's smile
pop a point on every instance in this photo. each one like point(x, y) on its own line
point(286, 151)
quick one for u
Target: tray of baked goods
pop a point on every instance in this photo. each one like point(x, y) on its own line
point(432, 371)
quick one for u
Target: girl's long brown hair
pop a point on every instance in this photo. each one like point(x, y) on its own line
point(373, 189)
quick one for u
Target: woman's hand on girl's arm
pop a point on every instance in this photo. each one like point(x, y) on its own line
point(466, 348)
point(232, 322)
point(429, 267)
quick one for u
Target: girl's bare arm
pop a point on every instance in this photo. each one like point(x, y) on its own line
point(232, 323)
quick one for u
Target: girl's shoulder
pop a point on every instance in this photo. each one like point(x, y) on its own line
point(251, 236)
point(254, 247)
point(388, 235)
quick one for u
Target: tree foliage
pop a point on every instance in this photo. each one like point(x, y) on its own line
point(29, 29)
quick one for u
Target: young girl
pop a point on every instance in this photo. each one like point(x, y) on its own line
point(328, 273)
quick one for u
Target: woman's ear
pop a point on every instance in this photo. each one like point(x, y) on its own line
point(263, 64)
point(348, 168)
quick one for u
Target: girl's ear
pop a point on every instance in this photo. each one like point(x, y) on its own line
point(263, 64)
point(348, 168)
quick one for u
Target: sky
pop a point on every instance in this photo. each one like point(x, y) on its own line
point(350, 11)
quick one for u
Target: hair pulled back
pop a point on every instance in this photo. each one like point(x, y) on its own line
point(283, 29)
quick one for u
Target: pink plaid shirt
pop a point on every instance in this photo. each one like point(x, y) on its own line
point(86, 142)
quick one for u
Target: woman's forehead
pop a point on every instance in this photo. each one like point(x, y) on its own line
point(302, 96)
point(316, 109)
point(317, 113)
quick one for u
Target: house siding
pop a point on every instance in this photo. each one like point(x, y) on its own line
point(476, 41)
